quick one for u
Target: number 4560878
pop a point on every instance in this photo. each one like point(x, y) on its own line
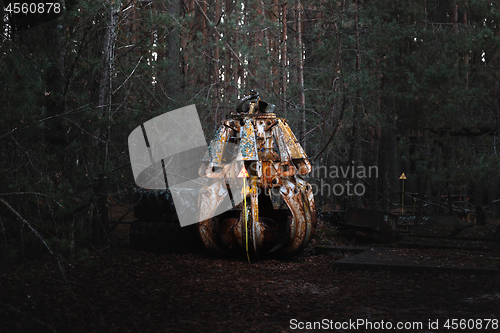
point(33, 8)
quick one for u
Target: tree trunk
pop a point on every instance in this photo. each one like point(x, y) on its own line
point(173, 39)
point(302, 98)
point(227, 60)
point(216, 74)
point(273, 46)
point(99, 223)
point(284, 64)
point(355, 154)
point(107, 60)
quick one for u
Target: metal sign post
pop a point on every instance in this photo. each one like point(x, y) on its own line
point(402, 177)
point(244, 174)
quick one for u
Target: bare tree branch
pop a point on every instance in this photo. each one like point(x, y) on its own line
point(38, 321)
point(45, 119)
point(37, 234)
point(22, 193)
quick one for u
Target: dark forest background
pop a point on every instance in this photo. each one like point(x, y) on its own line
point(407, 86)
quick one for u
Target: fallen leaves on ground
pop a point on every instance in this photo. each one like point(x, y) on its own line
point(135, 291)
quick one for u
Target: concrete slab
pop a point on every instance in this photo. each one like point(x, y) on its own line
point(394, 259)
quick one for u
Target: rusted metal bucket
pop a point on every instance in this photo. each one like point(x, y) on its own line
point(273, 211)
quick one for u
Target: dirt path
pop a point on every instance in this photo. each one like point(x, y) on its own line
point(144, 292)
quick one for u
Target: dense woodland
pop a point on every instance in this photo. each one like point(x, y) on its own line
point(407, 86)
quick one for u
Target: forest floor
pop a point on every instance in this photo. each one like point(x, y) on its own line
point(122, 290)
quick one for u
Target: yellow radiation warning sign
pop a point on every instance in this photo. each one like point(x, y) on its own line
point(403, 176)
point(243, 173)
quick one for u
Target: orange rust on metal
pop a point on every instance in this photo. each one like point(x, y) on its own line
point(291, 141)
point(303, 166)
point(228, 230)
point(265, 234)
point(207, 231)
point(218, 145)
point(254, 213)
point(285, 169)
point(267, 147)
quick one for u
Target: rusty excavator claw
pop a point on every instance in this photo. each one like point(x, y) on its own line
point(255, 162)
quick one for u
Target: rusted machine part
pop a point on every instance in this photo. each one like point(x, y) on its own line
point(254, 224)
point(265, 235)
point(266, 146)
point(208, 237)
point(304, 216)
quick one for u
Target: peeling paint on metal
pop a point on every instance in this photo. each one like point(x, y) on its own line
point(274, 159)
point(248, 145)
